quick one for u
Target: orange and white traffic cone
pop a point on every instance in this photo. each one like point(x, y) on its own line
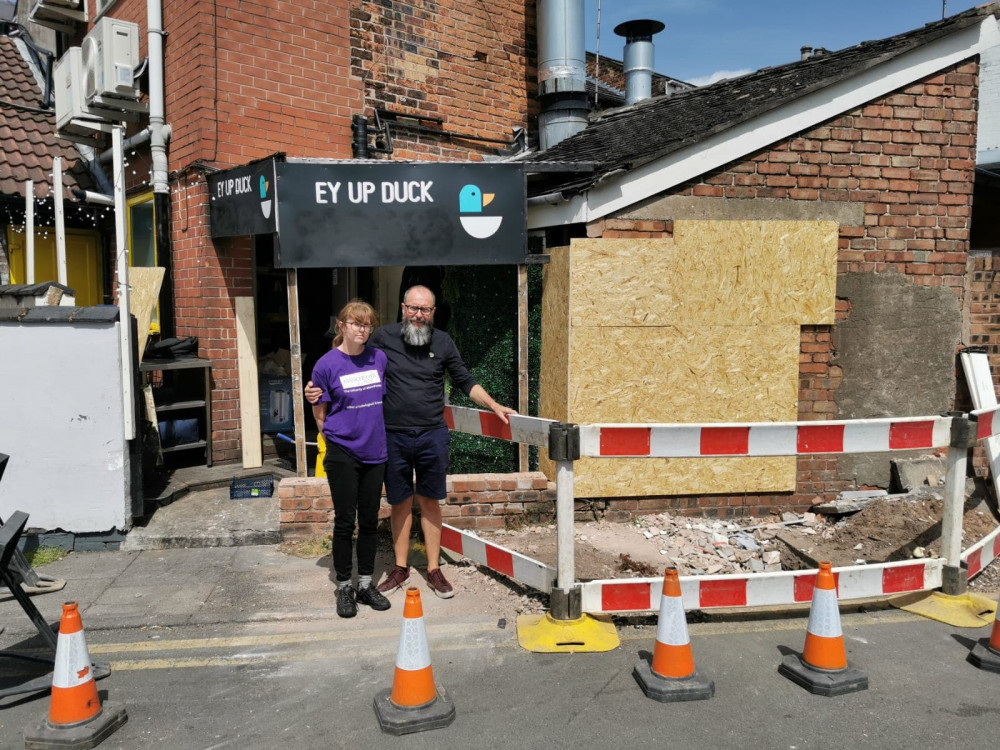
point(822, 668)
point(76, 717)
point(672, 675)
point(987, 655)
point(415, 703)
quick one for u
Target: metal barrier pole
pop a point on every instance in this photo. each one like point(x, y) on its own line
point(564, 448)
point(963, 436)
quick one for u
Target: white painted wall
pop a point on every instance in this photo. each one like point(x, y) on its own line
point(61, 422)
point(988, 140)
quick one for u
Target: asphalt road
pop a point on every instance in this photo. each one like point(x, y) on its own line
point(303, 684)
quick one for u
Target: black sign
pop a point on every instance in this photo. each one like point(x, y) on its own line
point(341, 214)
point(242, 201)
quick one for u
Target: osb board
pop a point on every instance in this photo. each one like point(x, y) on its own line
point(554, 379)
point(246, 355)
point(684, 374)
point(640, 477)
point(733, 273)
point(144, 291)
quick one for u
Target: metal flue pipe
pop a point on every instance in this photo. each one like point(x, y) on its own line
point(638, 58)
point(562, 71)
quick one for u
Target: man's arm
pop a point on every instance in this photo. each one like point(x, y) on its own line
point(313, 392)
point(481, 397)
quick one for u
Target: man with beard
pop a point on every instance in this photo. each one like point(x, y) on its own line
point(417, 436)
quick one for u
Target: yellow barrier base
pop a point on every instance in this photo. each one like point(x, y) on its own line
point(543, 634)
point(962, 611)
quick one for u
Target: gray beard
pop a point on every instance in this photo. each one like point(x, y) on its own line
point(417, 336)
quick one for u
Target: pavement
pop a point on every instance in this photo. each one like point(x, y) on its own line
point(225, 645)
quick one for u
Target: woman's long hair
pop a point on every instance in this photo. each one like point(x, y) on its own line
point(360, 312)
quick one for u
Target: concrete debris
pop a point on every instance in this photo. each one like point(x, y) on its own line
point(716, 547)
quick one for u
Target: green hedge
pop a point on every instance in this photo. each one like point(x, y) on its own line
point(483, 323)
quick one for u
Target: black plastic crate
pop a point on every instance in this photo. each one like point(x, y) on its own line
point(243, 487)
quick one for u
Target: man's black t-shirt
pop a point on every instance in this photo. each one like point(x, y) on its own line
point(414, 378)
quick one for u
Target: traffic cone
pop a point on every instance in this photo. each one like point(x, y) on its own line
point(672, 675)
point(415, 703)
point(822, 668)
point(76, 717)
point(987, 655)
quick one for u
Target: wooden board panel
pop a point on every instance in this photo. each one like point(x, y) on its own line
point(643, 477)
point(553, 402)
point(733, 273)
point(144, 288)
point(246, 351)
point(684, 374)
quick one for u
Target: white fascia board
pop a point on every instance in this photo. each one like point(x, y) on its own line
point(802, 114)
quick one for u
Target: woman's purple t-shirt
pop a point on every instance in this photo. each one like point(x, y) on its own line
point(353, 388)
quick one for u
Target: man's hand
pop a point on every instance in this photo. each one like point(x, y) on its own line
point(502, 412)
point(313, 393)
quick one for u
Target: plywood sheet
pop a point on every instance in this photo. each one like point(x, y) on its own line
point(641, 477)
point(732, 273)
point(684, 374)
point(246, 352)
point(554, 380)
point(144, 291)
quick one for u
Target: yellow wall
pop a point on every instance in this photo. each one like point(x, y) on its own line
point(83, 261)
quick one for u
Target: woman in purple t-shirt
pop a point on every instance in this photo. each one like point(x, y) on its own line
point(349, 414)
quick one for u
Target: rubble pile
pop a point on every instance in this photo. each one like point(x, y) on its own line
point(707, 547)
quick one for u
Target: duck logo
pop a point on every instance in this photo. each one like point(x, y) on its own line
point(265, 202)
point(471, 202)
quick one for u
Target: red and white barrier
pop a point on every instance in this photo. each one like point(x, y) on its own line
point(761, 589)
point(987, 422)
point(982, 553)
point(511, 564)
point(521, 429)
point(764, 438)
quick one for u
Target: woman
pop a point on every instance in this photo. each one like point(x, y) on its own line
point(349, 414)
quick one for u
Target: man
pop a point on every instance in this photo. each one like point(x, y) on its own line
point(417, 436)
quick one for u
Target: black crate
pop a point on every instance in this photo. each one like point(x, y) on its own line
point(243, 487)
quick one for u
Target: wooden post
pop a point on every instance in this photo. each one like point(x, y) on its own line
point(295, 344)
point(522, 356)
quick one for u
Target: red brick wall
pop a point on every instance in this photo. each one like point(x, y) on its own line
point(909, 158)
point(471, 64)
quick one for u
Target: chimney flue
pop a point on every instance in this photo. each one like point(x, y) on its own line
point(638, 57)
point(805, 53)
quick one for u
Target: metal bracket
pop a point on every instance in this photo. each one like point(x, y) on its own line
point(564, 441)
point(964, 429)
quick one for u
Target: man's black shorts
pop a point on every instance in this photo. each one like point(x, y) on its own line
point(422, 451)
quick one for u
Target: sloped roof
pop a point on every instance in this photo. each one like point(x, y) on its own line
point(626, 138)
point(28, 139)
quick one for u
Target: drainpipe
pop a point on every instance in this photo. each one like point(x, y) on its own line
point(158, 149)
point(562, 71)
point(638, 58)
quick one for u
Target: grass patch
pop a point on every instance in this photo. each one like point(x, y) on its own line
point(44, 555)
point(310, 547)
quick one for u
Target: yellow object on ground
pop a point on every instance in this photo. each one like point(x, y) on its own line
point(962, 611)
point(543, 634)
point(321, 445)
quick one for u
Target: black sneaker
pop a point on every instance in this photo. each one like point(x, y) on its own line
point(373, 598)
point(346, 605)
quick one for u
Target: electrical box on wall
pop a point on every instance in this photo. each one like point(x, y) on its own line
point(110, 54)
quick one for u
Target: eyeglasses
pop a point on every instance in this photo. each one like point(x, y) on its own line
point(359, 326)
point(414, 309)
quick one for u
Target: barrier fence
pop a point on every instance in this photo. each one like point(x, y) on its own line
point(566, 443)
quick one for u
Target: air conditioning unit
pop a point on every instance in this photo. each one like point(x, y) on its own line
point(67, 77)
point(110, 54)
point(77, 4)
point(60, 15)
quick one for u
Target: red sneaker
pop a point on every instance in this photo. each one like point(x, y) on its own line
point(398, 578)
point(439, 584)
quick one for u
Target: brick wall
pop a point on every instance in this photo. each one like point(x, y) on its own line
point(475, 501)
point(909, 159)
point(470, 64)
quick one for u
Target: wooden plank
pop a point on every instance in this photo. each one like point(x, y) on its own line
point(246, 354)
point(145, 283)
point(522, 356)
point(295, 344)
